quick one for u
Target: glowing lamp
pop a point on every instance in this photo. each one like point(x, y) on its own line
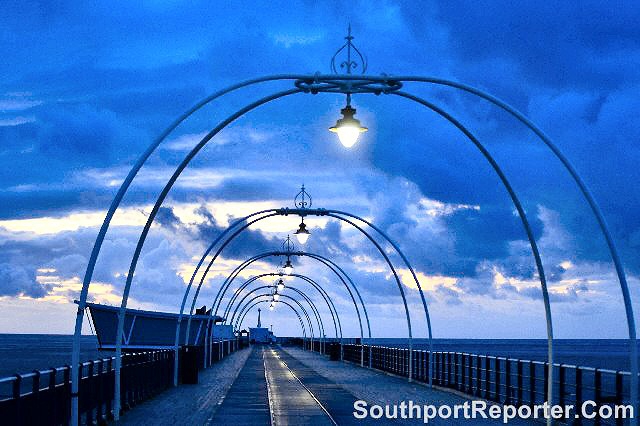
point(288, 267)
point(348, 128)
point(302, 234)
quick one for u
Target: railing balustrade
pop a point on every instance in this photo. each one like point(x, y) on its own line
point(503, 380)
point(44, 397)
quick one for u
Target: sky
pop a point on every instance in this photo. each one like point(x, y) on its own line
point(85, 88)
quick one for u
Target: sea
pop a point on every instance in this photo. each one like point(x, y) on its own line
point(23, 353)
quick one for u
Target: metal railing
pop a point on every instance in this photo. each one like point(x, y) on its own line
point(502, 380)
point(218, 349)
point(44, 397)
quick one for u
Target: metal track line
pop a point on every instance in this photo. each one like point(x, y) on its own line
point(305, 387)
point(291, 402)
point(266, 377)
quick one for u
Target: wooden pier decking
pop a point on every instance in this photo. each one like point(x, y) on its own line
point(267, 385)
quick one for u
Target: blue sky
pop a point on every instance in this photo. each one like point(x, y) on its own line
point(85, 88)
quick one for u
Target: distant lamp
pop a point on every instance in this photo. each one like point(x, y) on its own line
point(280, 285)
point(271, 307)
point(302, 234)
point(288, 267)
point(348, 128)
point(276, 297)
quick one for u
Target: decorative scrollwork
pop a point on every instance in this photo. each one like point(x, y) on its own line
point(288, 246)
point(354, 57)
point(303, 199)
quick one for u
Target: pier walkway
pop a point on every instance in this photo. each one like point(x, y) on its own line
point(287, 386)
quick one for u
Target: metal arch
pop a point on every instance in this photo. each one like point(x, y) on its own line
point(304, 211)
point(325, 296)
point(306, 314)
point(213, 259)
point(523, 218)
point(595, 209)
point(315, 311)
point(218, 298)
point(190, 284)
point(318, 317)
point(333, 213)
point(151, 218)
point(404, 298)
point(304, 296)
point(327, 262)
point(304, 333)
point(200, 262)
point(384, 81)
point(113, 207)
point(288, 297)
point(285, 212)
point(323, 260)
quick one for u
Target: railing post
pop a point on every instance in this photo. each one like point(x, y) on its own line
point(578, 391)
point(487, 377)
point(562, 377)
point(476, 360)
point(507, 381)
point(463, 371)
point(66, 391)
point(520, 382)
point(532, 383)
point(99, 387)
point(448, 369)
point(619, 395)
point(89, 396)
point(546, 381)
point(53, 400)
point(16, 391)
point(597, 389)
point(498, 378)
point(35, 389)
point(109, 395)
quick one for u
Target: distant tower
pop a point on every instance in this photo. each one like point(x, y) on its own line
point(259, 323)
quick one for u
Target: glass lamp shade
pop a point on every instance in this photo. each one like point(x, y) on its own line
point(280, 285)
point(271, 308)
point(288, 267)
point(276, 297)
point(348, 128)
point(302, 234)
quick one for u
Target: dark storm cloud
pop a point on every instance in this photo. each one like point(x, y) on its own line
point(103, 91)
point(246, 244)
point(18, 281)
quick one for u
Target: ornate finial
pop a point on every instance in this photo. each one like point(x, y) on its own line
point(288, 245)
point(354, 57)
point(303, 199)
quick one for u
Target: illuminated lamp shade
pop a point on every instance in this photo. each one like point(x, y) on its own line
point(288, 267)
point(302, 234)
point(348, 128)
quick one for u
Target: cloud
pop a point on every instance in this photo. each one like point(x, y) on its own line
point(17, 281)
point(73, 121)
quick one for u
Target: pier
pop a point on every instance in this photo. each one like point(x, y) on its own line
point(199, 362)
point(273, 384)
point(287, 386)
